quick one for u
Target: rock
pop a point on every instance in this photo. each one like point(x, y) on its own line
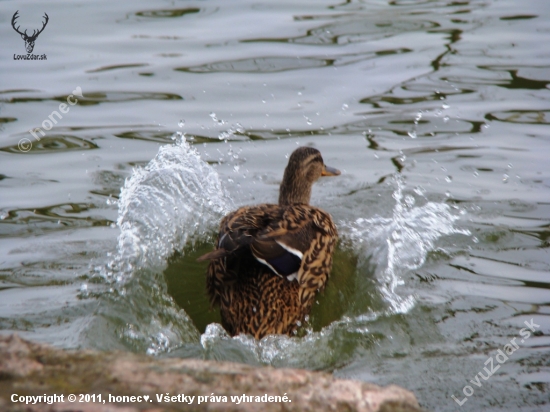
point(31, 369)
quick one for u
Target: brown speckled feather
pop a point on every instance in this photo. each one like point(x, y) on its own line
point(251, 297)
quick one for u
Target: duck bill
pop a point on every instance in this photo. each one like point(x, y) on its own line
point(330, 171)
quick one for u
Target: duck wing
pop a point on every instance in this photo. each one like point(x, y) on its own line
point(240, 228)
point(281, 237)
point(311, 231)
point(248, 226)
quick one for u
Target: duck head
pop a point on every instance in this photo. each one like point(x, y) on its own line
point(305, 166)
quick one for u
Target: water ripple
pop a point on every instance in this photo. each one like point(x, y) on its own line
point(55, 143)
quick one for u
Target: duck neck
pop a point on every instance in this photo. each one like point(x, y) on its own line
point(293, 190)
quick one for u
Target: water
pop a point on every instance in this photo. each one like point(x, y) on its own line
point(435, 111)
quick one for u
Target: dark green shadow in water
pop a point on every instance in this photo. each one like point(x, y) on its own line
point(347, 293)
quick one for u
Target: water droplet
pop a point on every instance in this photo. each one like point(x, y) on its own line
point(412, 134)
point(445, 106)
point(181, 123)
point(345, 106)
point(448, 179)
point(419, 190)
point(475, 239)
point(215, 118)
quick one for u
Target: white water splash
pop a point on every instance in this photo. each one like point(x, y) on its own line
point(401, 243)
point(176, 197)
point(315, 350)
point(174, 200)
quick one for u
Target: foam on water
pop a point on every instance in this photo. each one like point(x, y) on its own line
point(315, 350)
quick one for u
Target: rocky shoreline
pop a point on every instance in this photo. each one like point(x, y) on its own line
point(31, 373)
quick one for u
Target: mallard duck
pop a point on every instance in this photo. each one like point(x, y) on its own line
point(271, 260)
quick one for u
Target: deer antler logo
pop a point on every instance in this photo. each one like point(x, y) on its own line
point(29, 40)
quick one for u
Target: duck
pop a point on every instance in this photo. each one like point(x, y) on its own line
point(271, 260)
